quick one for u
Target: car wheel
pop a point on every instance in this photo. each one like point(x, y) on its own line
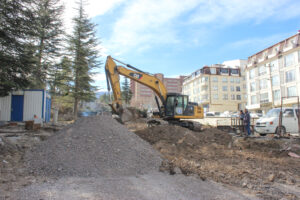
point(283, 131)
point(261, 134)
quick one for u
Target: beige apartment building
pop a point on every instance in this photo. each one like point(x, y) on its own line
point(219, 88)
point(272, 74)
point(144, 98)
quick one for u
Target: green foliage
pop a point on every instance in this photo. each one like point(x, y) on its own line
point(48, 32)
point(85, 57)
point(60, 84)
point(16, 50)
point(126, 91)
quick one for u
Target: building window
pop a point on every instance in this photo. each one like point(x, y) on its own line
point(204, 79)
point(276, 95)
point(274, 66)
point(213, 70)
point(224, 79)
point(264, 98)
point(252, 73)
point(275, 80)
point(215, 79)
point(224, 88)
point(224, 71)
point(231, 80)
point(244, 86)
point(252, 87)
point(289, 76)
point(238, 97)
point(204, 88)
point(292, 91)
point(289, 60)
point(253, 99)
point(234, 71)
point(215, 88)
point(263, 84)
point(232, 97)
point(238, 88)
point(216, 96)
point(237, 80)
point(225, 96)
point(232, 88)
point(262, 70)
point(204, 97)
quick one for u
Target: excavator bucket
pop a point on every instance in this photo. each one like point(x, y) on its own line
point(129, 114)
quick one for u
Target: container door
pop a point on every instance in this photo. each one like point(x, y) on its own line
point(48, 109)
point(17, 103)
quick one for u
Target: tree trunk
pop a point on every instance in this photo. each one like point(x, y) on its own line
point(75, 108)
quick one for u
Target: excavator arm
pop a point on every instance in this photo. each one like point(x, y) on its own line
point(113, 72)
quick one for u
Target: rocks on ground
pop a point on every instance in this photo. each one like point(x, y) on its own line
point(92, 147)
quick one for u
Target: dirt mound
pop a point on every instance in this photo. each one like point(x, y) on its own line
point(93, 146)
point(179, 135)
point(252, 164)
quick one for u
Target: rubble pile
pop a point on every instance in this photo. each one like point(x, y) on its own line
point(92, 147)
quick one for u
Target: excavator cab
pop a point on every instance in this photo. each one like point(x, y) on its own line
point(178, 105)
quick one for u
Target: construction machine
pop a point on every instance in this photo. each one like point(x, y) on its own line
point(172, 107)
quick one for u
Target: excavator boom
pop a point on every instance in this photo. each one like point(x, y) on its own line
point(174, 106)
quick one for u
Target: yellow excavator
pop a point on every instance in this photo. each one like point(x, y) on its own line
point(173, 107)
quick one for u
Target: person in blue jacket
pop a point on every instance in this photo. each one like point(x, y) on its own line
point(247, 122)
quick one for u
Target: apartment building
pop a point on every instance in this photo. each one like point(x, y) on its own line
point(219, 88)
point(273, 74)
point(144, 98)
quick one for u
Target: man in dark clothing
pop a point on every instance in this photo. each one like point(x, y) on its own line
point(247, 122)
point(241, 123)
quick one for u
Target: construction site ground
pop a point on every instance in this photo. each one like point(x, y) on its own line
point(261, 166)
point(58, 162)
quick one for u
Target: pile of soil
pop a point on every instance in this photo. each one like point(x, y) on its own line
point(92, 147)
point(257, 165)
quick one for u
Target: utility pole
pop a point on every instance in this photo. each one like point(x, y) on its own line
point(271, 87)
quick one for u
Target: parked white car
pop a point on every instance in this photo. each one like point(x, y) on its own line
point(269, 123)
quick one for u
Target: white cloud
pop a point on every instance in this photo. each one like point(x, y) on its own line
point(146, 23)
point(259, 42)
point(92, 7)
point(99, 77)
point(234, 11)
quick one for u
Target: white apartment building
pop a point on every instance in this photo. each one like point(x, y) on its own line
point(219, 88)
point(273, 74)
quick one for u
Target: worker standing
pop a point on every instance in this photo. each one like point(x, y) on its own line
point(241, 123)
point(247, 122)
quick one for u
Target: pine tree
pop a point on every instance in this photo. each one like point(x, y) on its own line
point(48, 38)
point(126, 91)
point(60, 84)
point(83, 48)
point(16, 51)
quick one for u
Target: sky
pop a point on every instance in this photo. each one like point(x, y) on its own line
point(177, 37)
